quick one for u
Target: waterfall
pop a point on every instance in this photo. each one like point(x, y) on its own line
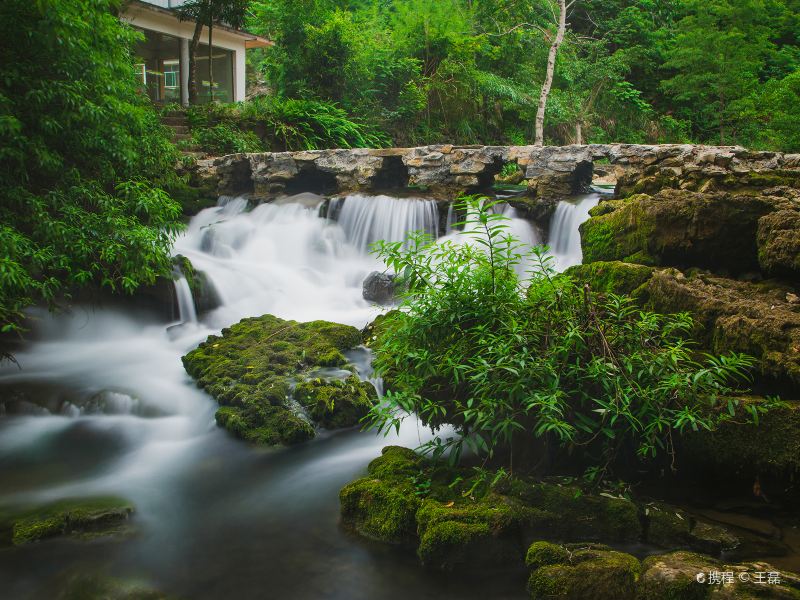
point(367, 219)
point(564, 235)
point(186, 308)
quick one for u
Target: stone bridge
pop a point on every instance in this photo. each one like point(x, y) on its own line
point(443, 171)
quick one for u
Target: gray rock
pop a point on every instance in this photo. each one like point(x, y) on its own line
point(379, 287)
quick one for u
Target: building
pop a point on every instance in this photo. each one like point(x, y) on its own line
point(164, 54)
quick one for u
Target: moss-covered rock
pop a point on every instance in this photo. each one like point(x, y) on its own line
point(252, 368)
point(778, 240)
point(384, 504)
point(689, 576)
point(81, 517)
point(612, 277)
point(678, 228)
point(541, 554)
point(587, 575)
point(205, 295)
point(730, 315)
point(672, 528)
point(336, 403)
point(459, 534)
point(564, 513)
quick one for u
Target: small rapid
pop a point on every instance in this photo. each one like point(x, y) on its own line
point(564, 236)
point(100, 404)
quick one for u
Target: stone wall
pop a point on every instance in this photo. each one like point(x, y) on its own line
point(445, 170)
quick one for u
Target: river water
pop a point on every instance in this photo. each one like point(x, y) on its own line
point(115, 413)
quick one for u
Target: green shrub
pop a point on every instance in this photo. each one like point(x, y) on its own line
point(83, 156)
point(471, 347)
point(226, 139)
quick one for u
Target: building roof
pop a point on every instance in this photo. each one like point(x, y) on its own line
point(167, 7)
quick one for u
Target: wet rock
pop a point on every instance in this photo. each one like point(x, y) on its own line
point(779, 243)
point(684, 575)
point(204, 293)
point(252, 367)
point(586, 574)
point(678, 228)
point(77, 517)
point(336, 403)
point(379, 287)
point(383, 505)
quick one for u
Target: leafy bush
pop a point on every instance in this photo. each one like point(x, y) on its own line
point(278, 124)
point(83, 153)
point(226, 139)
point(470, 347)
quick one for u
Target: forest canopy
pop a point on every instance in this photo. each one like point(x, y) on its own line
point(470, 71)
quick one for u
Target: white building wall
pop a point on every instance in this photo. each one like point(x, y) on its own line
point(163, 23)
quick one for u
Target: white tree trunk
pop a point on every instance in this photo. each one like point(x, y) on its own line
point(551, 65)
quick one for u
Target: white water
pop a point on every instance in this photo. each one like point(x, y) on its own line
point(564, 237)
point(186, 309)
point(123, 417)
point(367, 219)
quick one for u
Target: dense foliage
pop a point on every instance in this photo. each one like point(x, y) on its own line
point(82, 152)
point(470, 71)
point(558, 362)
point(267, 123)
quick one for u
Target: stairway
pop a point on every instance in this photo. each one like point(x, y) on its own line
point(177, 121)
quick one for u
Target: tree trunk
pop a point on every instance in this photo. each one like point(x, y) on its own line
point(198, 30)
point(210, 60)
point(551, 65)
point(579, 133)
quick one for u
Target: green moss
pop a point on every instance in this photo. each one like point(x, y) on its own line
point(564, 513)
point(336, 403)
point(612, 277)
point(541, 554)
point(620, 231)
point(193, 197)
point(772, 446)
point(74, 516)
point(381, 510)
point(395, 462)
point(673, 577)
point(588, 575)
point(462, 533)
point(252, 366)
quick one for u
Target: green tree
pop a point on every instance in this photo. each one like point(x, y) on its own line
point(715, 60)
point(80, 150)
point(205, 13)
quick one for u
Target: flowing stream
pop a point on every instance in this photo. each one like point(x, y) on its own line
point(100, 404)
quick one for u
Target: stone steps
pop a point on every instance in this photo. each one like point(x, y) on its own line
point(179, 123)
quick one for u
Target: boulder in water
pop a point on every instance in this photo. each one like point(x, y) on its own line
point(336, 403)
point(77, 517)
point(251, 370)
point(379, 287)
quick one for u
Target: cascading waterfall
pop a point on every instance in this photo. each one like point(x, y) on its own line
point(367, 219)
point(564, 237)
point(122, 417)
point(187, 312)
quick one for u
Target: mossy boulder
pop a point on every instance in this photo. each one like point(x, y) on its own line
point(759, 319)
point(383, 505)
point(542, 554)
point(467, 533)
point(778, 239)
point(672, 528)
point(564, 513)
point(612, 276)
point(679, 228)
point(205, 295)
point(253, 367)
point(77, 517)
point(688, 576)
point(336, 403)
point(587, 575)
